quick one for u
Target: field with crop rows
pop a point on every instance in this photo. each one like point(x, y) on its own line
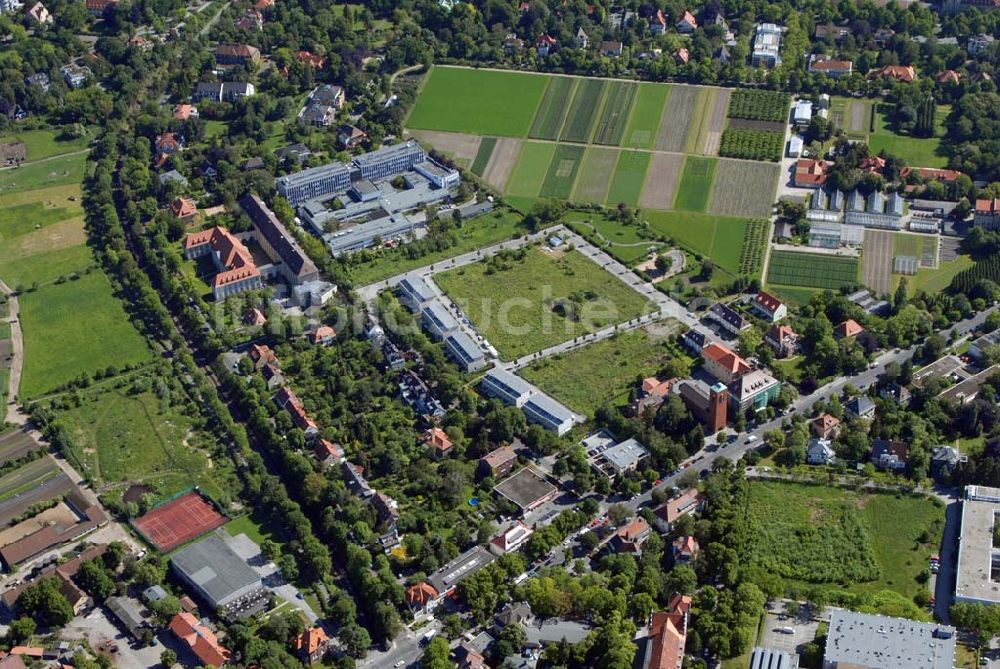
point(586, 103)
point(630, 175)
point(754, 244)
point(483, 154)
point(752, 144)
point(696, 184)
point(562, 171)
point(812, 270)
point(552, 111)
point(648, 110)
point(614, 116)
point(759, 105)
point(744, 189)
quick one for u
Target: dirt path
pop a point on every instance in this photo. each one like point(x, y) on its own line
point(12, 415)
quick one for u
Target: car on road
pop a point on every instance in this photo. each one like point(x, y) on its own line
point(399, 664)
point(785, 630)
point(752, 438)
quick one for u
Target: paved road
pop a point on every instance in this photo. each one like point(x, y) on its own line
point(11, 413)
point(405, 648)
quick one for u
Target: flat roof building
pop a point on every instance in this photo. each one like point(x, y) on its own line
point(217, 574)
point(861, 640)
point(614, 459)
point(766, 46)
point(447, 577)
point(461, 348)
point(414, 292)
point(526, 489)
point(314, 183)
point(506, 386)
point(550, 414)
point(765, 658)
point(437, 321)
point(389, 160)
point(977, 572)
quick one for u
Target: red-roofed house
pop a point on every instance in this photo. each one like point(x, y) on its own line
point(687, 24)
point(682, 56)
point(904, 73)
point(685, 549)
point(323, 335)
point(510, 539)
point(783, 339)
point(668, 634)
point(201, 640)
point(183, 112)
point(289, 401)
point(987, 213)
point(831, 68)
point(328, 453)
point(932, 173)
point(237, 272)
point(723, 364)
point(419, 596)
point(629, 538)
point(825, 426)
point(671, 511)
point(261, 354)
point(252, 20)
point(810, 173)
point(311, 59)
point(769, 307)
point(263, 5)
point(437, 439)
point(184, 210)
point(544, 44)
point(949, 77)
point(99, 7)
point(39, 14)
point(312, 644)
point(847, 329)
point(873, 164)
point(658, 23)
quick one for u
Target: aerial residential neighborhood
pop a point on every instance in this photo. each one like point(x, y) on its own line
point(499, 335)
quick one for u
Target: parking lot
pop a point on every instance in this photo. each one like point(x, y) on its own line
point(803, 628)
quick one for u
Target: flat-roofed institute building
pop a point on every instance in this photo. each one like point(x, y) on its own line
point(861, 640)
point(390, 160)
point(526, 489)
point(220, 577)
point(414, 293)
point(509, 388)
point(314, 183)
point(542, 409)
point(612, 458)
point(445, 579)
point(437, 321)
point(977, 572)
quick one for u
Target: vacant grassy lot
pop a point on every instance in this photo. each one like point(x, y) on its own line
point(562, 171)
point(138, 438)
point(630, 175)
point(936, 280)
point(477, 233)
point(744, 189)
point(586, 103)
point(915, 151)
point(46, 143)
point(531, 168)
point(525, 305)
point(717, 237)
point(43, 267)
point(624, 241)
point(696, 184)
point(811, 270)
point(646, 114)
point(478, 102)
point(73, 328)
point(617, 107)
point(863, 543)
point(33, 176)
point(552, 111)
point(604, 372)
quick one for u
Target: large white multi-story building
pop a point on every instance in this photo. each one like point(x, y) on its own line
point(390, 160)
point(766, 46)
point(314, 183)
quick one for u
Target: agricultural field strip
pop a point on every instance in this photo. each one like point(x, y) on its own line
point(30, 475)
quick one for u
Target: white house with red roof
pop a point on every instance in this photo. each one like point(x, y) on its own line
point(658, 23)
point(723, 364)
point(687, 24)
point(668, 635)
point(510, 539)
point(769, 307)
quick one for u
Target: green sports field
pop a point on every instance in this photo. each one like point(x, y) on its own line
point(478, 102)
point(646, 114)
point(530, 170)
point(562, 171)
point(552, 111)
point(811, 270)
point(696, 184)
point(630, 175)
point(528, 304)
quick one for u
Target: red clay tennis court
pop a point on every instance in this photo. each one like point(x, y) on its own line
point(179, 521)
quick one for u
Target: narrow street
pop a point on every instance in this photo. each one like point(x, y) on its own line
point(11, 412)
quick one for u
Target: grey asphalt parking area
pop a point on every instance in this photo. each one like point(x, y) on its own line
point(804, 632)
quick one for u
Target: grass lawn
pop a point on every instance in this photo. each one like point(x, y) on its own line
point(797, 296)
point(646, 113)
point(215, 129)
point(523, 306)
point(936, 280)
point(32, 176)
point(717, 237)
point(625, 243)
point(915, 151)
point(601, 373)
point(696, 184)
point(529, 171)
point(478, 102)
point(46, 267)
point(257, 529)
point(73, 328)
point(474, 234)
point(630, 175)
point(46, 143)
point(123, 439)
point(857, 542)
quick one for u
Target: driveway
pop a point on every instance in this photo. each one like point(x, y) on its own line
point(96, 629)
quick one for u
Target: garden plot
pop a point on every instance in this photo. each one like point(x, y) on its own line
point(744, 188)
point(461, 148)
point(552, 112)
point(676, 121)
point(501, 162)
point(562, 172)
point(716, 123)
point(696, 184)
point(483, 155)
point(811, 270)
point(593, 182)
point(878, 261)
point(586, 103)
point(617, 106)
point(630, 175)
point(661, 181)
point(647, 113)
